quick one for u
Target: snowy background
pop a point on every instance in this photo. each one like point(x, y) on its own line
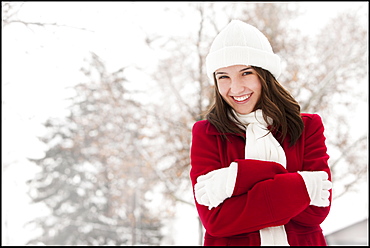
point(29, 97)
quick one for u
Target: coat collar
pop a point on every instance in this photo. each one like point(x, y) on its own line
point(212, 130)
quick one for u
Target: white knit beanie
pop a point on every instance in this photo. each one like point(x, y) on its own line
point(240, 43)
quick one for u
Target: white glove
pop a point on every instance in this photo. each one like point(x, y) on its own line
point(216, 186)
point(318, 186)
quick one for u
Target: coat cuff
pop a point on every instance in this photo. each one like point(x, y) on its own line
point(231, 179)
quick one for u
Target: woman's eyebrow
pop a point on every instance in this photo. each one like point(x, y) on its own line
point(247, 68)
point(220, 72)
point(244, 69)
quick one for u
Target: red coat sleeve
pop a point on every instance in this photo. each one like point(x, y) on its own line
point(268, 198)
point(315, 158)
point(251, 172)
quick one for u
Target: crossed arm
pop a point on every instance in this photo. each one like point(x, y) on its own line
point(264, 194)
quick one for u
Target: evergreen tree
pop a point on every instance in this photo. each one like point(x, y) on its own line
point(92, 177)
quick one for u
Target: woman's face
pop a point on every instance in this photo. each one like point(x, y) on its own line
point(239, 86)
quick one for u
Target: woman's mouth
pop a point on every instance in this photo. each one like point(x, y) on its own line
point(241, 99)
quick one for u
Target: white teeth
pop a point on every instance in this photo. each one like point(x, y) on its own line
point(239, 99)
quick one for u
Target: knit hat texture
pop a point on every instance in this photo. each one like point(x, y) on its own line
point(240, 43)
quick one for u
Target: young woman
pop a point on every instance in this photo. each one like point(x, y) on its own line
point(259, 167)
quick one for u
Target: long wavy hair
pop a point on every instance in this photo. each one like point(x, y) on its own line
point(275, 102)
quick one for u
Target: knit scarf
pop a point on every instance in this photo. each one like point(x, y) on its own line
point(262, 145)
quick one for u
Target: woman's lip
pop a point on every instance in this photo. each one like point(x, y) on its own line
point(240, 99)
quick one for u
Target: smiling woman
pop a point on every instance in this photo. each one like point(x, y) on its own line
point(240, 61)
point(239, 86)
point(255, 150)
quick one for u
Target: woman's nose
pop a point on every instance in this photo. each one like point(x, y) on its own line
point(236, 86)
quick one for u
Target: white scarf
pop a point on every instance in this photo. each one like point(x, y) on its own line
point(262, 145)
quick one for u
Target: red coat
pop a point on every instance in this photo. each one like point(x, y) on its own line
point(265, 194)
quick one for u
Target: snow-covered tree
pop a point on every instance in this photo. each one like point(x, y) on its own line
point(92, 178)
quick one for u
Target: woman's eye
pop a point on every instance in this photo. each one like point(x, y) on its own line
point(247, 73)
point(222, 77)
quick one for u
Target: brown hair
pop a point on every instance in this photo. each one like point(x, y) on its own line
point(275, 102)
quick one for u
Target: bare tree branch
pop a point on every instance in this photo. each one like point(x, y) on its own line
point(43, 24)
point(10, 11)
point(347, 150)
